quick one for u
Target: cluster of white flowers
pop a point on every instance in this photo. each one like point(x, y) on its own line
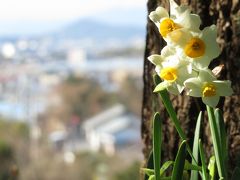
point(183, 63)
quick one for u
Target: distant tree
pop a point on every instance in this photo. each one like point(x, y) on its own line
point(80, 97)
point(226, 15)
point(130, 94)
point(6, 158)
point(85, 97)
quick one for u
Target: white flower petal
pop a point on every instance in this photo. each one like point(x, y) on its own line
point(171, 61)
point(195, 93)
point(156, 59)
point(195, 21)
point(178, 37)
point(201, 62)
point(193, 83)
point(158, 68)
point(195, 87)
point(174, 89)
point(176, 10)
point(223, 88)
point(206, 75)
point(158, 14)
point(211, 101)
point(209, 35)
point(210, 31)
point(190, 70)
point(189, 21)
point(180, 87)
point(173, 6)
point(183, 74)
point(168, 51)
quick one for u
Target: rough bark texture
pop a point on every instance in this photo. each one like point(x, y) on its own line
point(226, 15)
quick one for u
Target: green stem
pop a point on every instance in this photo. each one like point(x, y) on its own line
point(216, 142)
point(194, 174)
point(222, 136)
point(168, 105)
point(203, 160)
point(173, 116)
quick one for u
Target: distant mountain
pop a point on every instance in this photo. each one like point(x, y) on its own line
point(29, 28)
point(96, 31)
point(88, 28)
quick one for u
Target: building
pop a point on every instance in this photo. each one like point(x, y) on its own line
point(113, 130)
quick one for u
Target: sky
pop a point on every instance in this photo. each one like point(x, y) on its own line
point(20, 15)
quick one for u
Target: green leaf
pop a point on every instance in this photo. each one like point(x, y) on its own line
point(166, 178)
point(179, 162)
point(222, 136)
point(161, 86)
point(216, 143)
point(203, 161)
point(165, 166)
point(236, 174)
point(189, 166)
point(157, 140)
point(185, 175)
point(147, 171)
point(152, 177)
point(194, 174)
point(149, 164)
point(168, 105)
point(211, 167)
point(173, 116)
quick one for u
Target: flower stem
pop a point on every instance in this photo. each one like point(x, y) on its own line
point(173, 116)
point(168, 105)
point(216, 142)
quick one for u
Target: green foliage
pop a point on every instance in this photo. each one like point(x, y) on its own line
point(157, 141)
point(89, 166)
point(129, 173)
point(8, 169)
point(193, 167)
point(165, 166)
point(148, 172)
point(194, 174)
point(219, 138)
point(179, 162)
point(222, 136)
point(203, 161)
point(150, 166)
point(78, 94)
point(212, 167)
point(217, 146)
point(168, 105)
point(6, 151)
point(11, 128)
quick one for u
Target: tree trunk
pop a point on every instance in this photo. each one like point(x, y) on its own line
point(226, 15)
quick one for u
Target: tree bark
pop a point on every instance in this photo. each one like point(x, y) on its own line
point(226, 15)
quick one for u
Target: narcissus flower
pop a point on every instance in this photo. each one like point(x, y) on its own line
point(208, 87)
point(171, 70)
point(180, 17)
point(184, 61)
point(199, 48)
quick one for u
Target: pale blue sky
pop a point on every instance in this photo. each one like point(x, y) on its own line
point(60, 9)
point(45, 15)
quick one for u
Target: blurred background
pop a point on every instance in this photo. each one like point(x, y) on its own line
point(71, 89)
